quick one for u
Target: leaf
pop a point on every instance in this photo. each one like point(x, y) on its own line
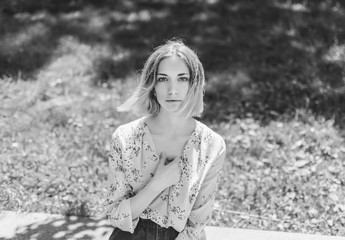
point(301, 163)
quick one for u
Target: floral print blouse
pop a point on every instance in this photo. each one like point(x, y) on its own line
point(185, 206)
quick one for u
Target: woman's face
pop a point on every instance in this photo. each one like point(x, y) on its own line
point(172, 83)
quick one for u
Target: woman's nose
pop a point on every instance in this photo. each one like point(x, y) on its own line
point(172, 90)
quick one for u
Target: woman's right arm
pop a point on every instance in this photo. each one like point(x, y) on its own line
point(165, 176)
point(122, 208)
point(117, 204)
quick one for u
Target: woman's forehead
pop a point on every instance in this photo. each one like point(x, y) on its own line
point(173, 64)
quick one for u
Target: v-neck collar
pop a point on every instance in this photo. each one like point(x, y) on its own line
point(153, 145)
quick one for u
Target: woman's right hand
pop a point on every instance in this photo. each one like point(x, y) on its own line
point(167, 173)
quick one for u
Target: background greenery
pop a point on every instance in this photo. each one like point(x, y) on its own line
point(275, 92)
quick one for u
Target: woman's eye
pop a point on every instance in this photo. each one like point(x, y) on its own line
point(161, 79)
point(184, 79)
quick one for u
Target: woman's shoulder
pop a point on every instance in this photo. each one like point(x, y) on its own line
point(130, 128)
point(208, 131)
point(210, 137)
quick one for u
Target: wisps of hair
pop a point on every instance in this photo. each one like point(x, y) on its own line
point(143, 101)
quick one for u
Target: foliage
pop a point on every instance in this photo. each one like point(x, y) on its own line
point(288, 175)
point(291, 52)
point(275, 91)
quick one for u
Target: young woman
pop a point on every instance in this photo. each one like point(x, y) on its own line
point(164, 167)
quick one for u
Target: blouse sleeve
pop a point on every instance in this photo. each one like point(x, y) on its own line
point(202, 209)
point(117, 203)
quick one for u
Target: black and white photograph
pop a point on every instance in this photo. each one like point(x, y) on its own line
point(172, 119)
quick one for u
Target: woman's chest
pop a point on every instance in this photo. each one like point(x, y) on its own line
point(142, 161)
point(173, 147)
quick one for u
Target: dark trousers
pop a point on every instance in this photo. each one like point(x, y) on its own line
point(146, 229)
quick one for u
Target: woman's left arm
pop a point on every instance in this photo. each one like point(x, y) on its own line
point(202, 209)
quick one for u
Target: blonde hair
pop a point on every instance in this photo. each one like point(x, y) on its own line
point(143, 101)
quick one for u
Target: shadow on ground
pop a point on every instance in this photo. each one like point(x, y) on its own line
point(40, 226)
point(266, 59)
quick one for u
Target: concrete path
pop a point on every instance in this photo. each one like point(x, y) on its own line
point(41, 226)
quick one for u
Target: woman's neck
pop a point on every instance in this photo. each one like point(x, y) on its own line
point(171, 125)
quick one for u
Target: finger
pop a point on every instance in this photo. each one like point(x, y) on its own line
point(162, 157)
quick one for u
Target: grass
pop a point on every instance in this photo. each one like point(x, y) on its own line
point(275, 93)
point(286, 174)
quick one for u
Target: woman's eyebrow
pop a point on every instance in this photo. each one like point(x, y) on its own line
point(180, 74)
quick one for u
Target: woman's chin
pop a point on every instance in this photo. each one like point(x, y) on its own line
point(171, 110)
